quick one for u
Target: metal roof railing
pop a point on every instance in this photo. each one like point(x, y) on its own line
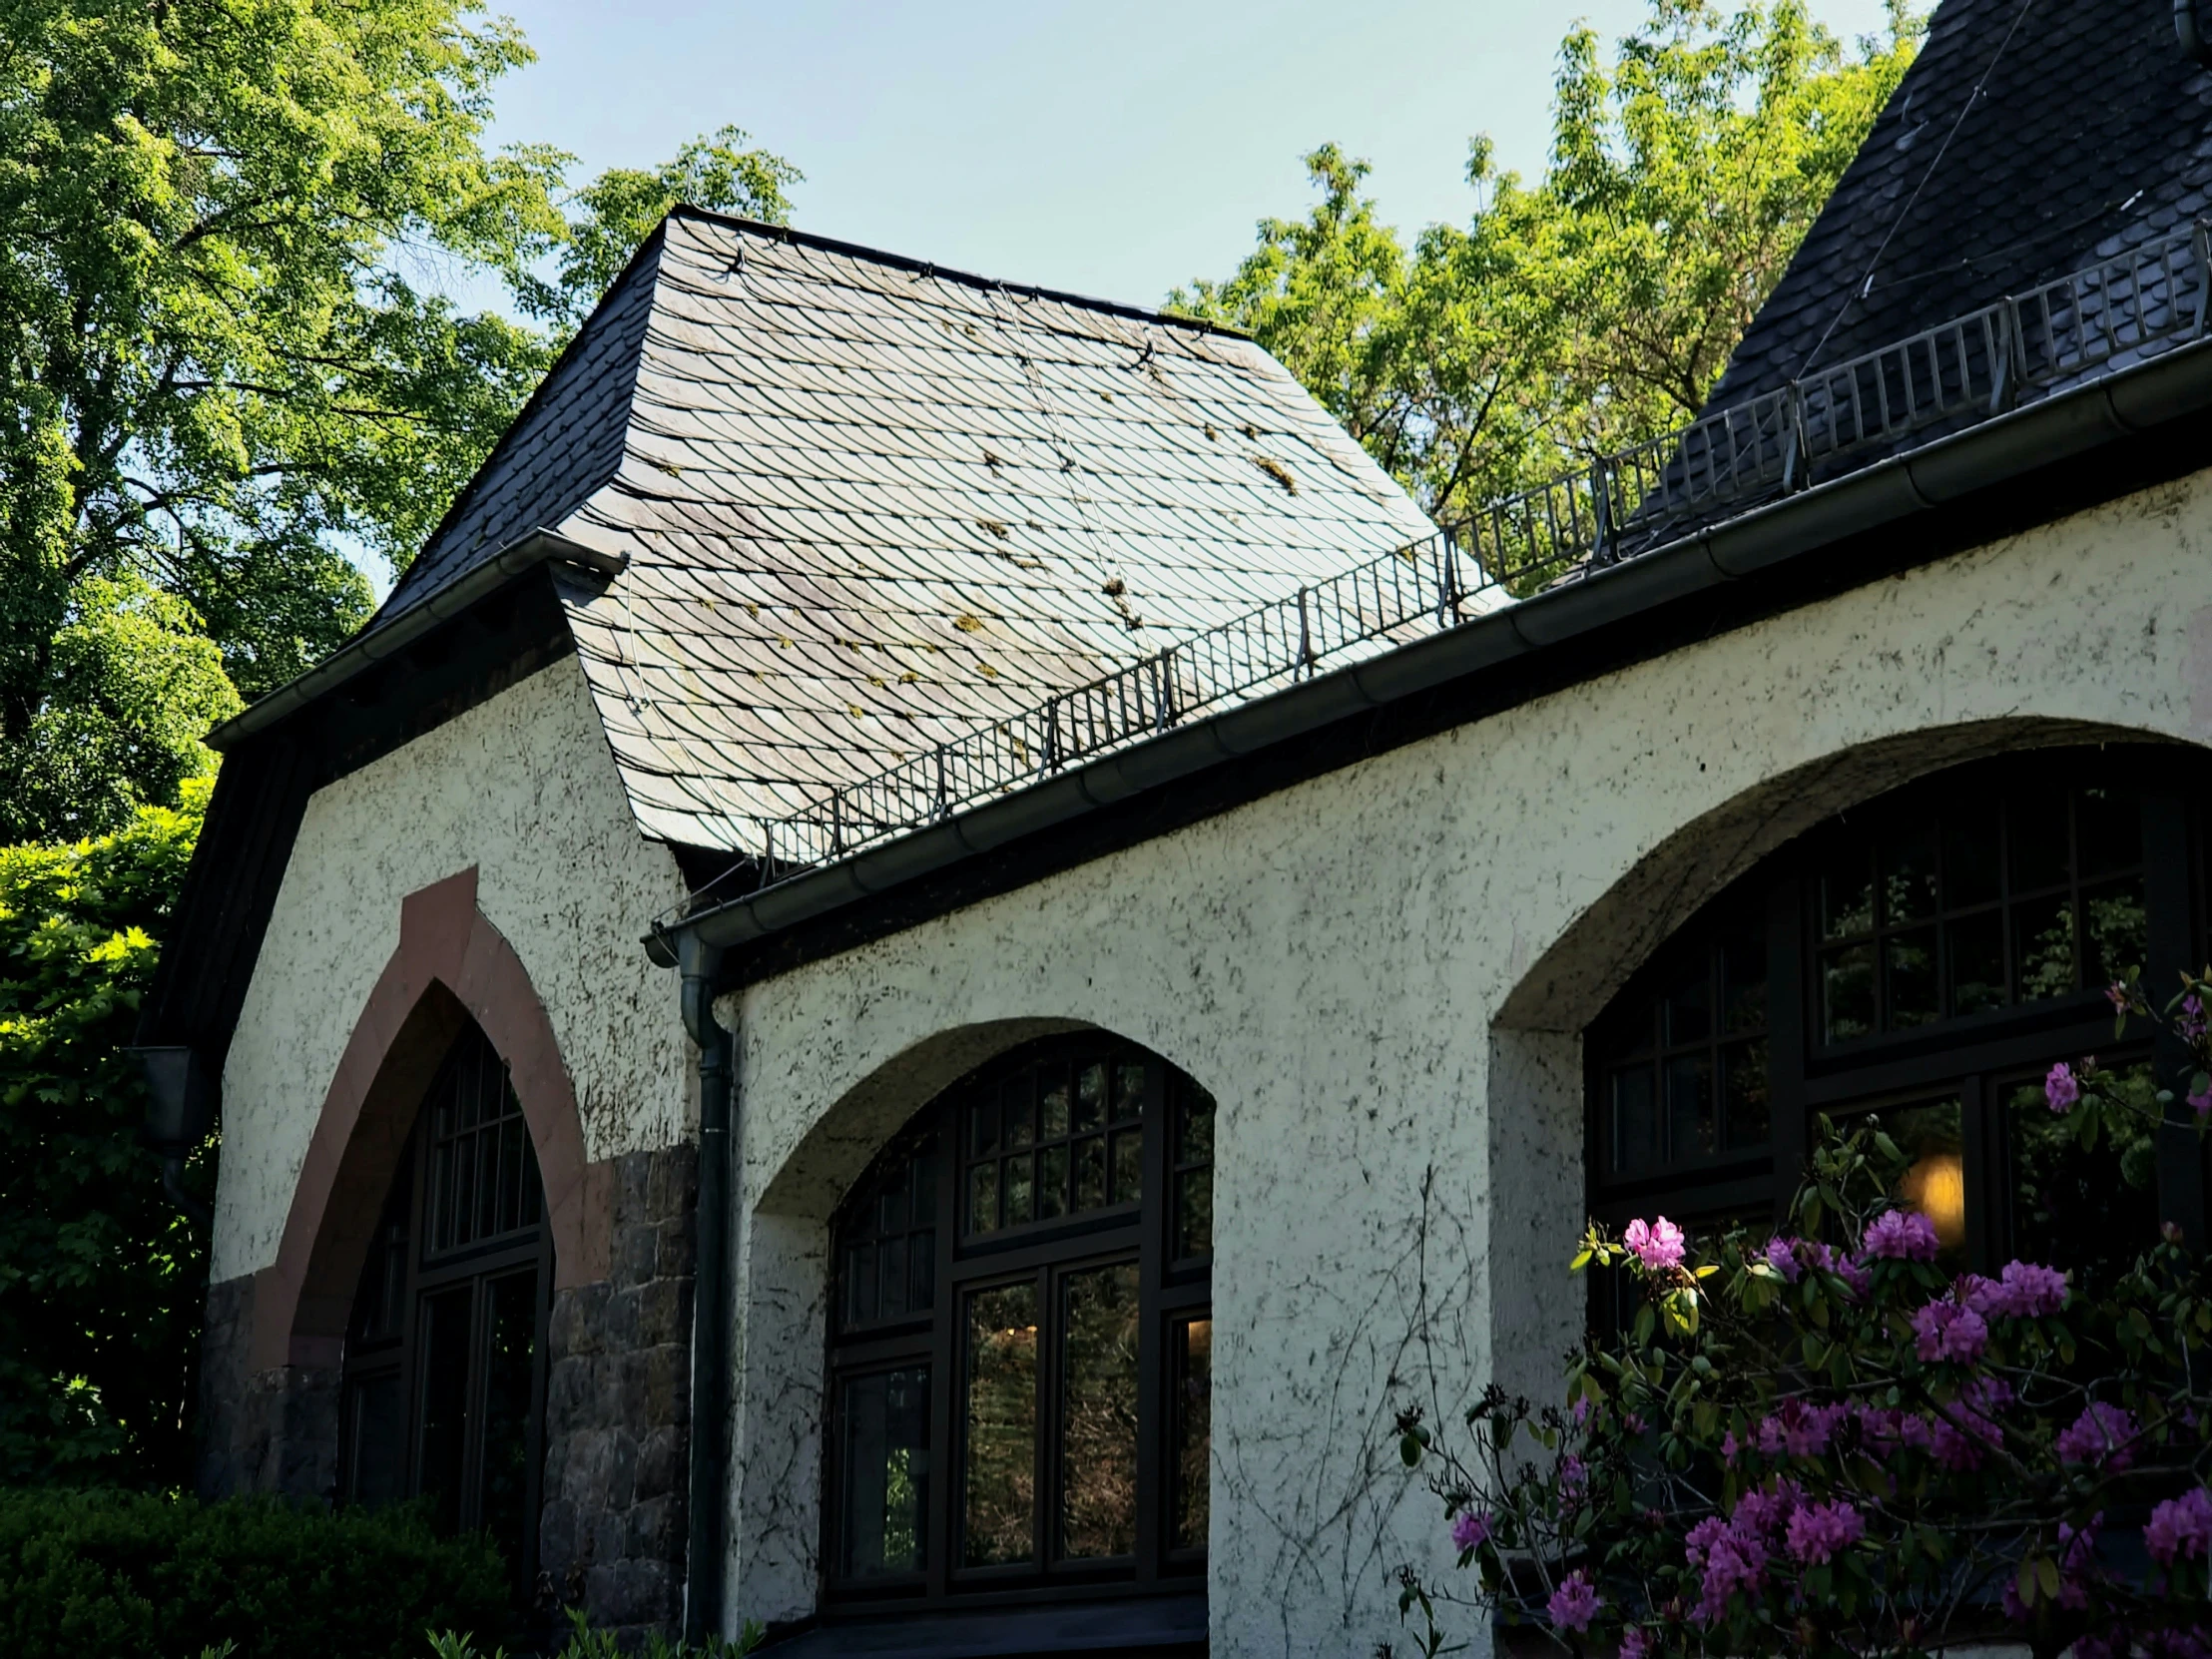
point(1961, 372)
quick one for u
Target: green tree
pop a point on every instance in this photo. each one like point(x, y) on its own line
point(1596, 307)
point(224, 361)
point(101, 1280)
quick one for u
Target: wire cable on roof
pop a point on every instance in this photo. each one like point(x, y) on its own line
point(1865, 285)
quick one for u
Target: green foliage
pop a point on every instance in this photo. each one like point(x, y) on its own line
point(101, 1280)
point(223, 362)
point(143, 1578)
point(1596, 307)
point(586, 1643)
point(137, 685)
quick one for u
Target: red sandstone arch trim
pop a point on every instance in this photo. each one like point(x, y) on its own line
point(451, 964)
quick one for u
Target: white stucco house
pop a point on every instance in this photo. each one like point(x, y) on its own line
point(938, 951)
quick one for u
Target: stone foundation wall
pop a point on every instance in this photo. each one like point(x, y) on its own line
point(261, 1432)
point(618, 1410)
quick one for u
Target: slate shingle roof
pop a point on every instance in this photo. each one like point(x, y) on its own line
point(868, 507)
point(2092, 133)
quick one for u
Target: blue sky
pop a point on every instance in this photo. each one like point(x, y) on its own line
point(1114, 151)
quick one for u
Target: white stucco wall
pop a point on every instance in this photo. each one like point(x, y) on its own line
point(523, 787)
point(1399, 1178)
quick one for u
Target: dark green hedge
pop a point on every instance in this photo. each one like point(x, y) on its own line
point(91, 1575)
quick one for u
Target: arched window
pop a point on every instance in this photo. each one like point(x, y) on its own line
point(444, 1378)
point(1020, 1340)
point(1921, 961)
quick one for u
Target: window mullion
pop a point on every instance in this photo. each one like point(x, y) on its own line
point(1152, 1255)
point(945, 1383)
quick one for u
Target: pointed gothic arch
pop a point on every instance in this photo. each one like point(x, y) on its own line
point(452, 966)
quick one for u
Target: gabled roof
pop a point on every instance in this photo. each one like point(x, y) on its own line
point(2028, 139)
point(869, 506)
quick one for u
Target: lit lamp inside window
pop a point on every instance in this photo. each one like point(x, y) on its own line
point(1936, 1185)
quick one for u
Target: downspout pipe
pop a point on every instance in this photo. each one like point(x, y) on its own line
point(710, 1393)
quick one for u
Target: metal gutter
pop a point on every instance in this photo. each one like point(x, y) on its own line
point(365, 651)
point(2007, 446)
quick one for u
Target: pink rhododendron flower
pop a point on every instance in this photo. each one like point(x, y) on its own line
point(1658, 1246)
point(1959, 1445)
point(1574, 1603)
point(1817, 1532)
point(1470, 1529)
point(2180, 1527)
point(1635, 1645)
point(2061, 1089)
point(2191, 1026)
point(1733, 1562)
point(1901, 1236)
point(2102, 1436)
point(1950, 1329)
point(1573, 1477)
point(2026, 1291)
point(2200, 1101)
point(1798, 1429)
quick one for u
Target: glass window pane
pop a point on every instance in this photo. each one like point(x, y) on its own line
point(510, 1343)
point(885, 1455)
point(1635, 1121)
point(983, 1128)
point(1194, 1213)
point(1194, 1432)
point(2110, 827)
point(1689, 1002)
point(1847, 992)
point(1693, 1130)
point(2116, 919)
point(1015, 1127)
point(1098, 1411)
point(1000, 1485)
point(1744, 984)
point(1128, 1092)
point(1020, 1193)
point(444, 1368)
point(1846, 892)
point(1090, 1173)
point(1052, 1122)
point(1909, 966)
point(859, 1283)
point(1743, 1070)
point(982, 1197)
point(891, 1274)
point(1052, 1181)
point(1128, 1160)
point(1090, 1096)
point(2092, 1211)
point(2036, 840)
point(2042, 948)
point(375, 1456)
point(1977, 947)
point(1908, 874)
point(1934, 1181)
point(1972, 867)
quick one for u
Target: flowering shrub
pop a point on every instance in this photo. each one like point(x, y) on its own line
point(1824, 1442)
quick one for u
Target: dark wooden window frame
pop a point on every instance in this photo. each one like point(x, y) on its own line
point(1045, 1253)
point(1972, 1057)
point(392, 1349)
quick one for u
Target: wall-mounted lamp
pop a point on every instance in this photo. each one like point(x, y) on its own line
point(179, 1109)
point(1935, 1186)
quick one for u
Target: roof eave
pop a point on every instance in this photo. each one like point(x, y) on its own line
point(2121, 405)
point(380, 642)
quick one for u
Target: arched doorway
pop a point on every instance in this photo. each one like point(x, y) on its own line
point(443, 1387)
point(1019, 1340)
